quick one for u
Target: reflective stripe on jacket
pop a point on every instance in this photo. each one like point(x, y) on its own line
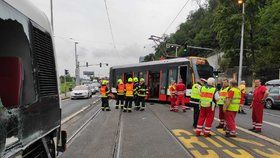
point(104, 91)
point(121, 89)
point(195, 91)
point(206, 96)
point(223, 94)
point(129, 89)
point(235, 101)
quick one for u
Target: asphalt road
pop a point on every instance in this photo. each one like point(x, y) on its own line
point(69, 106)
point(158, 132)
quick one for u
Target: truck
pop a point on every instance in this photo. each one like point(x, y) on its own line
point(30, 112)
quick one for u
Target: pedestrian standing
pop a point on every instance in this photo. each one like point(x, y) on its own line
point(142, 91)
point(259, 97)
point(223, 94)
point(208, 99)
point(231, 107)
point(120, 94)
point(242, 88)
point(172, 92)
point(128, 95)
point(181, 91)
point(104, 91)
point(135, 93)
point(195, 99)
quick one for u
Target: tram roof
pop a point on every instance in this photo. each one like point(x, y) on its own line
point(158, 62)
point(31, 11)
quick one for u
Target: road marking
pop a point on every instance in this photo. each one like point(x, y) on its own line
point(273, 154)
point(211, 154)
point(78, 112)
point(272, 124)
point(242, 153)
point(225, 142)
point(214, 142)
point(256, 135)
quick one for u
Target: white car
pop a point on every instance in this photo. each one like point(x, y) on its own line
point(82, 91)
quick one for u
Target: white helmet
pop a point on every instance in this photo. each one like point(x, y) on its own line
point(211, 81)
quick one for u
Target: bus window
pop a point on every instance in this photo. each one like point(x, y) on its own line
point(163, 86)
point(172, 75)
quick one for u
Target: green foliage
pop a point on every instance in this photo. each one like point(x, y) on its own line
point(218, 26)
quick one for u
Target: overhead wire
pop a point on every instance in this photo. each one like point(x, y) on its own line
point(111, 28)
point(176, 17)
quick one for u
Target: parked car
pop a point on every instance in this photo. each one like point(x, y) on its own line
point(82, 91)
point(273, 99)
point(272, 83)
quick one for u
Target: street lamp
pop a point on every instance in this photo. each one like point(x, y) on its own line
point(241, 41)
point(51, 5)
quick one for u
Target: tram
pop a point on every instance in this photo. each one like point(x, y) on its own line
point(159, 74)
point(30, 113)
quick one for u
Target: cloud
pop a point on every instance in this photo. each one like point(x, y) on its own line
point(133, 21)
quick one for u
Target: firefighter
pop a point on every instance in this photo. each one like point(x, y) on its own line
point(120, 94)
point(259, 97)
point(141, 91)
point(180, 90)
point(128, 95)
point(208, 98)
point(231, 107)
point(195, 97)
point(172, 91)
point(223, 94)
point(135, 94)
point(242, 88)
point(104, 91)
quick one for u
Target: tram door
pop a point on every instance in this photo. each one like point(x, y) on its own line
point(183, 73)
point(154, 84)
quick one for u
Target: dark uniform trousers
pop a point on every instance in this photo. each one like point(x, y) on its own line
point(105, 103)
point(196, 110)
point(128, 103)
point(120, 99)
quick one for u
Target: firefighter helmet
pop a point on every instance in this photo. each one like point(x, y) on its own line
point(130, 79)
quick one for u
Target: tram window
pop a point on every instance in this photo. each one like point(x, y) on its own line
point(163, 82)
point(15, 42)
point(172, 76)
point(127, 76)
point(118, 76)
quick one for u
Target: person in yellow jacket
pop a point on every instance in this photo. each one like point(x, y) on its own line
point(120, 94)
point(129, 95)
point(105, 91)
point(223, 94)
point(231, 108)
point(195, 99)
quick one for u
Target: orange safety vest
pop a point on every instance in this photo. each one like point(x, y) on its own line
point(129, 89)
point(103, 91)
point(172, 89)
point(121, 89)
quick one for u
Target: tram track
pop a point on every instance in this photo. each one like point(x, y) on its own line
point(170, 133)
point(118, 138)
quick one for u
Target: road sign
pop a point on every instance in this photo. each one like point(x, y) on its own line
point(88, 73)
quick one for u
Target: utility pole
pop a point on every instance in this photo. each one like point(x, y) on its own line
point(51, 2)
point(241, 42)
point(77, 70)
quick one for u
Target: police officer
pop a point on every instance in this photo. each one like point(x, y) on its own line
point(104, 91)
point(128, 95)
point(141, 91)
point(135, 93)
point(120, 94)
point(195, 98)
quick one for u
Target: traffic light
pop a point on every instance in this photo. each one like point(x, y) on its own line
point(107, 64)
point(66, 72)
point(100, 64)
point(86, 64)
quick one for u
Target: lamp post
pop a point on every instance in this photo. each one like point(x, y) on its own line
point(241, 41)
point(51, 3)
point(77, 70)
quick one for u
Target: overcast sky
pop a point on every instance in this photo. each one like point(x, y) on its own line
point(133, 21)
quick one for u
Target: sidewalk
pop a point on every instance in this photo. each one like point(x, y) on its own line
point(63, 96)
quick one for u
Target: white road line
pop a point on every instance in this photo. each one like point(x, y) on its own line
point(275, 142)
point(272, 124)
point(78, 112)
point(267, 113)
